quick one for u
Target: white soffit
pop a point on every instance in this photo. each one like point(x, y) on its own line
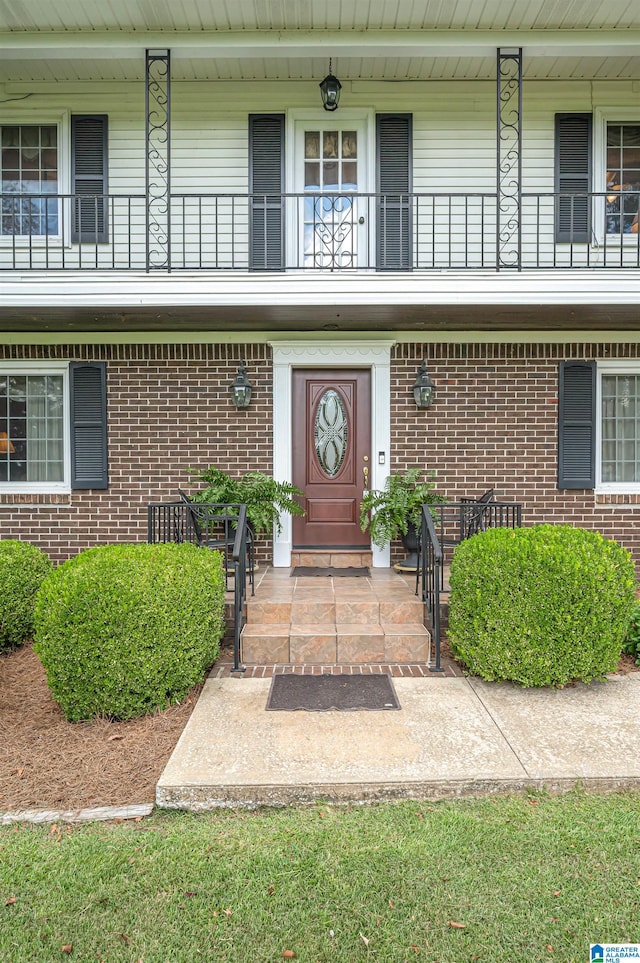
point(198, 15)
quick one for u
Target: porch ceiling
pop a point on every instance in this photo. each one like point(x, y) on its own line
point(289, 40)
point(303, 318)
point(198, 15)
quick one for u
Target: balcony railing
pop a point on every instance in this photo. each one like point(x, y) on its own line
point(319, 232)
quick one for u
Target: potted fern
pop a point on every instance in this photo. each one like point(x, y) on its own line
point(264, 497)
point(395, 511)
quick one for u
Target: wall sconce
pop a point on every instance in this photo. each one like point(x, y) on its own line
point(6, 446)
point(423, 389)
point(241, 388)
point(330, 89)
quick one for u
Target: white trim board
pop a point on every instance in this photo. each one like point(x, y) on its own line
point(287, 355)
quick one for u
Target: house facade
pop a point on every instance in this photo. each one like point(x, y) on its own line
point(177, 202)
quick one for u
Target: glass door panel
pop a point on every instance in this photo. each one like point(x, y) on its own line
point(331, 171)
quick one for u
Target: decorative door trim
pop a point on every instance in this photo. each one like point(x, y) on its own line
point(375, 355)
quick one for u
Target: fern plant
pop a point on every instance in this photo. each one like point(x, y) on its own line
point(264, 497)
point(389, 511)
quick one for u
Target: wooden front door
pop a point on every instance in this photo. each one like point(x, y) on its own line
point(331, 455)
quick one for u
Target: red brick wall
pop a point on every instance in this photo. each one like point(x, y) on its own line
point(493, 424)
point(169, 409)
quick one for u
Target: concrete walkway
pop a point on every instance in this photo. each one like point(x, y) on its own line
point(452, 736)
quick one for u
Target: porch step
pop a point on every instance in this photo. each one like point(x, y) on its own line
point(269, 643)
point(334, 620)
point(360, 609)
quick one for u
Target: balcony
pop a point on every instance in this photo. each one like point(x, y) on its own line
point(345, 233)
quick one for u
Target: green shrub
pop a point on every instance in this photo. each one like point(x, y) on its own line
point(23, 568)
point(631, 644)
point(541, 605)
point(123, 630)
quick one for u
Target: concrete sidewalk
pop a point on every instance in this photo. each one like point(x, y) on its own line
point(452, 736)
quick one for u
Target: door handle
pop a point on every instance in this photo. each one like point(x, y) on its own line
point(365, 472)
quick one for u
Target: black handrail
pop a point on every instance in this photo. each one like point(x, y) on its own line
point(432, 574)
point(239, 559)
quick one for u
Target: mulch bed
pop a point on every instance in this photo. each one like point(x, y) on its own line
point(49, 763)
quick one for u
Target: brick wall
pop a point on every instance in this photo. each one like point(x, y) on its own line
point(493, 424)
point(169, 409)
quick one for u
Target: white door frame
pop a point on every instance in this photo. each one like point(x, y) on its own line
point(360, 119)
point(287, 355)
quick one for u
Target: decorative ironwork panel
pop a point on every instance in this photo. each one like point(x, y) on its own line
point(330, 430)
point(509, 159)
point(158, 158)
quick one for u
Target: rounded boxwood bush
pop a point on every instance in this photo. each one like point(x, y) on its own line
point(541, 605)
point(23, 568)
point(123, 630)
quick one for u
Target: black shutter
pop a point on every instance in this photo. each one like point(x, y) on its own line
point(573, 176)
point(266, 185)
point(576, 424)
point(394, 185)
point(89, 180)
point(88, 396)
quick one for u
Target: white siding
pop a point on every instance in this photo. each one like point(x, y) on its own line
point(454, 152)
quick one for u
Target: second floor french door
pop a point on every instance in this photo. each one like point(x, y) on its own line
point(331, 180)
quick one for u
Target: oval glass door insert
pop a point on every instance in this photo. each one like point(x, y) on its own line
point(330, 432)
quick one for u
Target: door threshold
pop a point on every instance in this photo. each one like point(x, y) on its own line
point(332, 557)
point(331, 548)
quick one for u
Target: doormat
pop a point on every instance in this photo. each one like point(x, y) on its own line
point(319, 693)
point(330, 571)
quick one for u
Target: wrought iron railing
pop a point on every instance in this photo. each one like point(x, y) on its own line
point(239, 561)
point(446, 525)
point(222, 527)
point(319, 232)
point(431, 574)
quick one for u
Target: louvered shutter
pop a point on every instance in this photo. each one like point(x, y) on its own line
point(576, 424)
point(89, 178)
point(88, 398)
point(573, 176)
point(266, 185)
point(393, 166)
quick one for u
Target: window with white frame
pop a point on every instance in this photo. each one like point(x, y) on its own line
point(30, 173)
point(622, 177)
point(34, 437)
point(619, 427)
point(616, 174)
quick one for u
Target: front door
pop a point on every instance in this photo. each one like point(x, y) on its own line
point(331, 455)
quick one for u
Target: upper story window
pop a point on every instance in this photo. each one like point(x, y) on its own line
point(622, 178)
point(30, 171)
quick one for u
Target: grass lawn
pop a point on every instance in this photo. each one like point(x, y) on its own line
point(524, 878)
